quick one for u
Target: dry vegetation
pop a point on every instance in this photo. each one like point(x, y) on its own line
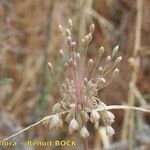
point(29, 38)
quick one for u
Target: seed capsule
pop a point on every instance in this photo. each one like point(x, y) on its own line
point(110, 131)
point(110, 117)
point(94, 117)
point(102, 80)
point(84, 133)
point(73, 125)
point(55, 121)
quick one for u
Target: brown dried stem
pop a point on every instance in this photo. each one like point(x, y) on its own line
point(131, 94)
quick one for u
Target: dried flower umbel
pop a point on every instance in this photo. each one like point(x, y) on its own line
point(79, 92)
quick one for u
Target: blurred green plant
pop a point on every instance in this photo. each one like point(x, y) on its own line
point(146, 96)
point(5, 80)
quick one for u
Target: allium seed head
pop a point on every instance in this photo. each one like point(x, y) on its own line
point(82, 84)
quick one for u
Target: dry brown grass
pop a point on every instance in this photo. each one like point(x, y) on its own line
point(29, 38)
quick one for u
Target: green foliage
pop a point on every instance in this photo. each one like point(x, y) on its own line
point(5, 80)
point(146, 96)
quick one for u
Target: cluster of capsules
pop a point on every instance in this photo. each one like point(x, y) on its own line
point(79, 92)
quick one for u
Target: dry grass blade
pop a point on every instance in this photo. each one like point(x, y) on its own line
point(111, 107)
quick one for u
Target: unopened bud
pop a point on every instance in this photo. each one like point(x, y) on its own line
point(101, 51)
point(70, 23)
point(78, 56)
point(50, 66)
point(60, 28)
point(117, 60)
point(100, 70)
point(88, 38)
point(92, 28)
point(90, 62)
point(115, 50)
point(69, 41)
point(115, 72)
point(108, 59)
point(61, 52)
point(83, 42)
point(68, 32)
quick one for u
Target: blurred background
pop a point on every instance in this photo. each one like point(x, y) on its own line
point(29, 38)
